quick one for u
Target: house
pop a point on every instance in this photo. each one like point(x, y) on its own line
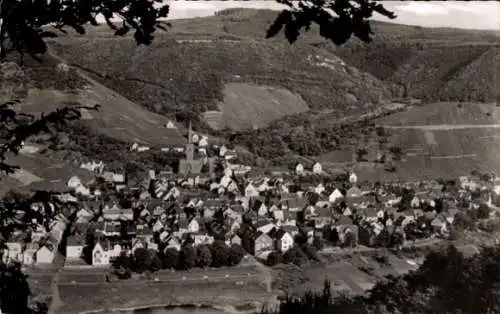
point(251, 191)
point(415, 202)
point(317, 168)
point(264, 226)
point(203, 142)
point(299, 169)
point(29, 254)
point(284, 240)
point(235, 239)
point(14, 252)
point(193, 226)
point(353, 178)
point(45, 254)
point(74, 247)
point(262, 210)
point(335, 196)
point(319, 189)
point(354, 192)
point(173, 242)
point(74, 182)
point(263, 242)
point(100, 254)
point(170, 125)
point(84, 215)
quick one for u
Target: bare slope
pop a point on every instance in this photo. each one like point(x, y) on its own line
point(251, 106)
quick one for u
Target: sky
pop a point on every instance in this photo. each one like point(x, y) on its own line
point(469, 15)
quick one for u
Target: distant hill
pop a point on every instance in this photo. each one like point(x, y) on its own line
point(220, 72)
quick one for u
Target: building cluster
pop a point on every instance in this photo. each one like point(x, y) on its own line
point(263, 213)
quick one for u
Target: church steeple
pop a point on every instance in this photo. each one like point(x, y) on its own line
point(190, 133)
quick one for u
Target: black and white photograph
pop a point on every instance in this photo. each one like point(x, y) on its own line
point(249, 157)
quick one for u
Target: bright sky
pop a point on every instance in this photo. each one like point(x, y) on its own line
point(472, 14)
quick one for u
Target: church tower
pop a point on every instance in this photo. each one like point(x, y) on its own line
point(190, 146)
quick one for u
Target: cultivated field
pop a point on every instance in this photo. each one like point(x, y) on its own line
point(246, 106)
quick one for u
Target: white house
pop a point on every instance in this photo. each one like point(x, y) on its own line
point(251, 191)
point(317, 168)
point(170, 125)
point(222, 151)
point(353, 178)
point(203, 142)
point(193, 226)
point(319, 189)
point(284, 241)
point(100, 256)
point(74, 182)
point(335, 195)
point(299, 169)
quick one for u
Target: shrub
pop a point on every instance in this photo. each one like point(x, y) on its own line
point(170, 258)
point(204, 256)
point(273, 258)
point(187, 257)
point(236, 254)
point(220, 254)
point(295, 256)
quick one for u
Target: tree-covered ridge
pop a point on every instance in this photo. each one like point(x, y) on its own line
point(447, 282)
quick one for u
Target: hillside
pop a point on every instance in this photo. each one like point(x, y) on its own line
point(305, 99)
point(46, 86)
point(186, 72)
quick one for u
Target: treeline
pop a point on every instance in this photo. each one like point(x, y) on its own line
point(217, 254)
point(303, 136)
point(447, 282)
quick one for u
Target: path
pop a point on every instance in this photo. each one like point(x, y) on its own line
point(443, 127)
point(56, 302)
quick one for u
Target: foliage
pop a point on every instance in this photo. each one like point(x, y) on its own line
point(349, 19)
point(14, 290)
point(310, 251)
point(447, 282)
point(16, 127)
point(236, 254)
point(146, 260)
point(483, 211)
point(204, 256)
point(220, 254)
point(187, 257)
point(295, 256)
point(23, 27)
point(273, 258)
point(170, 258)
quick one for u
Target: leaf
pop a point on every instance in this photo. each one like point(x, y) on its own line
point(79, 29)
point(381, 10)
point(48, 34)
point(292, 32)
point(283, 18)
point(122, 31)
point(164, 11)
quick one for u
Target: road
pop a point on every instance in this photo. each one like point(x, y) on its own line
point(443, 127)
point(178, 279)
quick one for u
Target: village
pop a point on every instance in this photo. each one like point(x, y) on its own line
point(262, 213)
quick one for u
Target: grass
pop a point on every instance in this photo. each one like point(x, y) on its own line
point(79, 298)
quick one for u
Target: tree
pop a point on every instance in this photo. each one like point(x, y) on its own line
point(204, 256)
point(156, 263)
point(310, 251)
point(483, 211)
point(273, 258)
point(318, 243)
point(187, 257)
point(14, 290)
point(170, 258)
point(123, 261)
point(295, 256)
point(220, 254)
point(236, 254)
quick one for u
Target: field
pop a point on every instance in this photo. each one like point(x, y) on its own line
point(444, 113)
point(248, 106)
point(78, 298)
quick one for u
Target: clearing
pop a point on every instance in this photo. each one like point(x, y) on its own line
point(253, 106)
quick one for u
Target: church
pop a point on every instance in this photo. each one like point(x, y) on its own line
point(190, 164)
